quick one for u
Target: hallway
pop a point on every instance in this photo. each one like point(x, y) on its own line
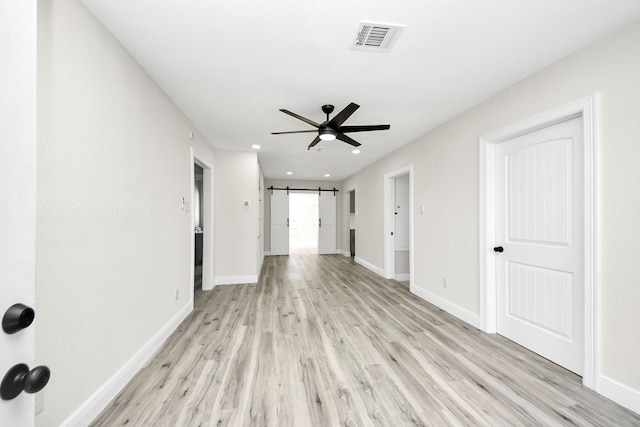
point(321, 341)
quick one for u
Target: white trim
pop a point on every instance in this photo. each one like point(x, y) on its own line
point(581, 108)
point(402, 277)
point(369, 266)
point(389, 243)
point(402, 248)
point(236, 280)
point(92, 407)
point(267, 253)
point(346, 253)
point(461, 313)
point(620, 393)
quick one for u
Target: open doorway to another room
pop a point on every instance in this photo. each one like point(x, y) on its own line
point(197, 207)
point(303, 222)
point(352, 223)
point(398, 204)
point(401, 228)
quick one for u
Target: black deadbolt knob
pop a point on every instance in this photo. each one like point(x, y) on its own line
point(20, 378)
point(17, 317)
point(498, 249)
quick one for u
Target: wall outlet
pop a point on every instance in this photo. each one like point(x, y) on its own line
point(445, 284)
point(39, 402)
point(177, 294)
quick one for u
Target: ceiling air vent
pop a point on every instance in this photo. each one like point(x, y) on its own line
point(376, 37)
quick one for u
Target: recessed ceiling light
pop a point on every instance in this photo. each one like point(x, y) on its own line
point(255, 146)
point(356, 151)
point(289, 173)
point(327, 175)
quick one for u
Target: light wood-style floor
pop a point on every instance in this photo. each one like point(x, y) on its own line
point(321, 341)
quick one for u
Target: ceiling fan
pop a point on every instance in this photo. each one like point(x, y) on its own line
point(333, 129)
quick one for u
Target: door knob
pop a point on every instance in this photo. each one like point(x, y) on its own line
point(20, 378)
point(17, 318)
point(498, 249)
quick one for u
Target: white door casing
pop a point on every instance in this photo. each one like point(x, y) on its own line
point(327, 223)
point(279, 223)
point(583, 108)
point(389, 221)
point(539, 226)
point(18, 192)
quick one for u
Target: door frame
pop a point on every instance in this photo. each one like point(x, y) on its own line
point(206, 221)
point(347, 203)
point(583, 108)
point(389, 202)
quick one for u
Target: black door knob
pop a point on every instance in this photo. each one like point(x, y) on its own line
point(17, 318)
point(20, 378)
point(498, 249)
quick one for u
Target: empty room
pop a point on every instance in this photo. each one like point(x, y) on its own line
point(319, 213)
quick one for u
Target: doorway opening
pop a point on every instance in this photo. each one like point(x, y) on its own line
point(352, 223)
point(398, 214)
point(197, 225)
point(201, 225)
point(303, 221)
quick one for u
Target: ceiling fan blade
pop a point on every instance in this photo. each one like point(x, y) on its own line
point(363, 128)
point(343, 115)
point(348, 140)
point(295, 131)
point(304, 119)
point(314, 143)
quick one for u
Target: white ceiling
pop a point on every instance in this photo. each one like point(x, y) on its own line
point(230, 65)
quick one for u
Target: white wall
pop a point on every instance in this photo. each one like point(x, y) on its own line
point(446, 183)
point(113, 245)
point(236, 177)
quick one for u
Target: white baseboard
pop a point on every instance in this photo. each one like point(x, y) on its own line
point(461, 313)
point(267, 253)
point(403, 277)
point(346, 253)
point(368, 266)
point(90, 409)
point(236, 280)
point(620, 393)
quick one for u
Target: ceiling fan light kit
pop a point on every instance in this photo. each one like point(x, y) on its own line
point(327, 134)
point(332, 129)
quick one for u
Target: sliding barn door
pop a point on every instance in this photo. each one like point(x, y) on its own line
point(327, 223)
point(279, 223)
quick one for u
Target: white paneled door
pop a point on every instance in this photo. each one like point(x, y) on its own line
point(279, 223)
point(540, 252)
point(18, 213)
point(327, 223)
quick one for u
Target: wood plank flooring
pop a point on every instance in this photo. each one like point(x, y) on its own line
point(321, 341)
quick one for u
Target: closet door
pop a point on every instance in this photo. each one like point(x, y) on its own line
point(279, 223)
point(327, 223)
